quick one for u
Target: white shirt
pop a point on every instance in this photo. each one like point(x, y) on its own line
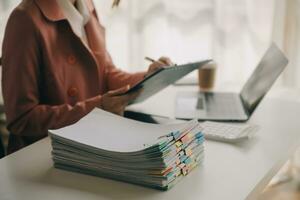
point(77, 17)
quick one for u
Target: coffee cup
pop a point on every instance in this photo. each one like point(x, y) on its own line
point(207, 76)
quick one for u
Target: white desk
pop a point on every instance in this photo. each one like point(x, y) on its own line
point(230, 172)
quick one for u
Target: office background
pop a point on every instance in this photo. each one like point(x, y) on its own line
point(233, 32)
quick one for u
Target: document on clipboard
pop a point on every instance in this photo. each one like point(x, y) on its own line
point(162, 78)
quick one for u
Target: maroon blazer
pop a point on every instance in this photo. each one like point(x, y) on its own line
point(50, 78)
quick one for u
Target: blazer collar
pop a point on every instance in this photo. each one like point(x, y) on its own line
point(52, 11)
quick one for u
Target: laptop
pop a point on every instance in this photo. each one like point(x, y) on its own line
point(217, 106)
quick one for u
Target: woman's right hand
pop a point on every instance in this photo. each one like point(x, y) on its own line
point(114, 102)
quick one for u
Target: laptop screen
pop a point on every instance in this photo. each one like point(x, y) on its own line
point(262, 79)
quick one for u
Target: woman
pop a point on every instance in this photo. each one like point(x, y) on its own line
point(56, 69)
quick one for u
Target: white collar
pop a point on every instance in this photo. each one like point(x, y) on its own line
point(77, 18)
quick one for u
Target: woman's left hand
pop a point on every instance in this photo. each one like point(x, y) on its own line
point(162, 62)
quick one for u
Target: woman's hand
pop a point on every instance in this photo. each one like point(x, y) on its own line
point(114, 102)
point(162, 62)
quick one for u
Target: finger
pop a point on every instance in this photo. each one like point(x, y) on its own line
point(134, 95)
point(156, 65)
point(120, 111)
point(126, 99)
point(116, 106)
point(119, 91)
point(166, 61)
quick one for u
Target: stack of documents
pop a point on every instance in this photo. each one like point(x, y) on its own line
point(110, 146)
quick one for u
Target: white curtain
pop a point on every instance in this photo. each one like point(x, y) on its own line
point(286, 32)
point(6, 6)
point(233, 32)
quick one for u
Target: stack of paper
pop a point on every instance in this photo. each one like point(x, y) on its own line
point(106, 145)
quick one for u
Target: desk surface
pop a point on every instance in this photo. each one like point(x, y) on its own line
point(232, 172)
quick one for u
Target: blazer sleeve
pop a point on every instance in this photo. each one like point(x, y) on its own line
point(20, 83)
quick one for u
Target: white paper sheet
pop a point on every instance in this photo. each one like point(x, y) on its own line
point(110, 132)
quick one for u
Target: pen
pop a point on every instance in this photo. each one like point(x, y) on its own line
point(150, 59)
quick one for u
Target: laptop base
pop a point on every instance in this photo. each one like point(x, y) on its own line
point(210, 106)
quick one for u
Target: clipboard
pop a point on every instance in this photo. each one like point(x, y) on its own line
point(162, 78)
